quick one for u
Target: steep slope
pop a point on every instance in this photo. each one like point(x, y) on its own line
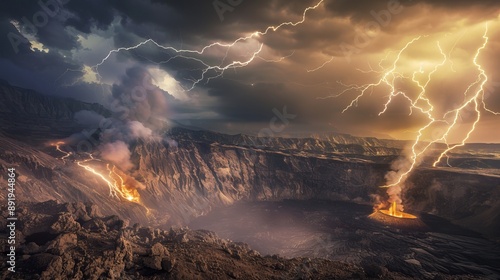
point(204, 170)
point(206, 175)
point(41, 177)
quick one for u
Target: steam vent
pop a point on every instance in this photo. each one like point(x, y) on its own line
point(393, 217)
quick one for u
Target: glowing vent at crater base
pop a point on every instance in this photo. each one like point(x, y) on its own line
point(393, 212)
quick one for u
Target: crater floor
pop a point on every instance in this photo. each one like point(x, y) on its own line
point(344, 231)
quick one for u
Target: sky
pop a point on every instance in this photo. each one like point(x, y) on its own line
point(216, 64)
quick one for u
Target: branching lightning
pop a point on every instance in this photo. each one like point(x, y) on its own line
point(321, 66)
point(113, 191)
point(477, 100)
point(208, 70)
point(388, 78)
point(474, 95)
point(473, 98)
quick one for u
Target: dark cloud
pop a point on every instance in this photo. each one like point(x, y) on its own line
point(90, 14)
point(362, 10)
point(136, 98)
point(74, 38)
point(55, 36)
point(246, 102)
point(12, 42)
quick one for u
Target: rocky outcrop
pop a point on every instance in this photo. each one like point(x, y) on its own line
point(112, 252)
point(192, 172)
point(190, 179)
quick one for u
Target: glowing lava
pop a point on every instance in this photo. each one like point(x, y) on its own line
point(130, 194)
point(117, 185)
point(58, 148)
point(443, 124)
point(393, 211)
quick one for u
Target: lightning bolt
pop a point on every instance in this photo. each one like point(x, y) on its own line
point(388, 79)
point(474, 96)
point(321, 66)
point(129, 194)
point(210, 71)
point(432, 120)
point(116, 183)
point(477, 99)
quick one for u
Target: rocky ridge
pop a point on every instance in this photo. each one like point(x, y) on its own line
point(43, 116)
point(205, 170)
point(73, 241)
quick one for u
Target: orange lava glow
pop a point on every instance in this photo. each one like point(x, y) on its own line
point(128, 193)
point(118, 186)
point(58, 148)
point(393, 211)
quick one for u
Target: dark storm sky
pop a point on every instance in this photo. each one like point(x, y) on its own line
point(349, 38)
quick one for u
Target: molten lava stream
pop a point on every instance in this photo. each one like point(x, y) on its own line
point(129, 193)
point(393, 212)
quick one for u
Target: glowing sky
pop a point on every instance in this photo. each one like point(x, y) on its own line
point(339, 43)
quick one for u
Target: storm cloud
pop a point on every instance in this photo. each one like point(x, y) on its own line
point(347, 38)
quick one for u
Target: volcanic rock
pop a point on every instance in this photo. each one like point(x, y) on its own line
point(112, 253)
point(64, 223)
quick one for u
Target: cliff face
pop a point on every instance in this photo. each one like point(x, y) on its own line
point(331, 144)
point(28, 103)
point(200, 174)
point(196, 171)
point(206, 175)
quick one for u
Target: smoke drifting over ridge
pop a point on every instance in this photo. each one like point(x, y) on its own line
point(139, 111)
point(88, 118)
point(118, 153)
point(136, 98)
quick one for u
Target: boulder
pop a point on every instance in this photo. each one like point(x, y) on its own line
point(64, 223)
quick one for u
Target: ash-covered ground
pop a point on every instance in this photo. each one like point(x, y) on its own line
point(73, 241)
point(206, 171)
point(345, 232)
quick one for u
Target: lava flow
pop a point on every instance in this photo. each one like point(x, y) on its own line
point(441, 121)
point(393, 212)
point(130, 194)
point(118, 186)
point(398, 219)
point(58, 148)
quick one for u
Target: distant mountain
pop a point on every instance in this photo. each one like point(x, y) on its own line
point(26, 114)
point(191, 172)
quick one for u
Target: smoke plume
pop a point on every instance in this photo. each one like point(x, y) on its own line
point(138, 113)
point(118, 153)
point(139, 108)
point(398, 168)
